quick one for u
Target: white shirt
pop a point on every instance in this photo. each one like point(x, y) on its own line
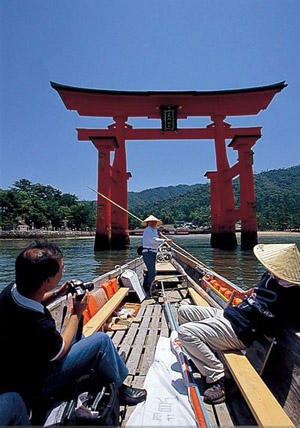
point(151, 239)
point(25, 302)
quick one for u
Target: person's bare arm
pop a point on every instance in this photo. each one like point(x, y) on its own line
point(51, 296)
point(70, 330)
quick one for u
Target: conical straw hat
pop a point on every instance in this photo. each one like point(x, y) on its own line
point(151, 218)
point(282, 260)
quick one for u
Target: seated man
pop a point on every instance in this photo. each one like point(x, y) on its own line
point(267, 309)
point(35, 359)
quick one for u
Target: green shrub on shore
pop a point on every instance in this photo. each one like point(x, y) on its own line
point(39, 206)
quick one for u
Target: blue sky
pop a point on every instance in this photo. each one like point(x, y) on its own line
point(140, 45)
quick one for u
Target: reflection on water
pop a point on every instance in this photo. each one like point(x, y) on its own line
point(81, 262)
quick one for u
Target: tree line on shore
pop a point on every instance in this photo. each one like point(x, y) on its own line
point(39, 206)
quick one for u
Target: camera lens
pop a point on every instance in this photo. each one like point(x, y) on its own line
point(79, 294)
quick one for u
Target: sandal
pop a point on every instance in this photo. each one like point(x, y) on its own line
point(117, 324)
point(129, 318)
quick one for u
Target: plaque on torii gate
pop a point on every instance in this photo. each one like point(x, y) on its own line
point(169, 106)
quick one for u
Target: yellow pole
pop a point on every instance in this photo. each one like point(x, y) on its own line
point(114, 203)
point(139, 219)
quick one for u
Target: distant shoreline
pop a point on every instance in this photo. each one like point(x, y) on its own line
point(18, 235)
point(45, 234)
point(281, 233)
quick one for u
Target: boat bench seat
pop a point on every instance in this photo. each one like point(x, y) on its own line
point(262, 403)
point(197, 299)
point(99, 319)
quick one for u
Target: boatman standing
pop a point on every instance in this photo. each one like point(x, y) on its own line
point(152, 239)
point(267, 309)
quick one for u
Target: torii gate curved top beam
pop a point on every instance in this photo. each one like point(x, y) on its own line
point(107, 103)
point(112, 225)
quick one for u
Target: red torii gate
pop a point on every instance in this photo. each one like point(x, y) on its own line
point(112, 223)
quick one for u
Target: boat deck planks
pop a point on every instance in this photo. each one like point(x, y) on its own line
point(151, 341)
point(170, 279)
point(165, 267)
point(223, 415)
point(139, 343)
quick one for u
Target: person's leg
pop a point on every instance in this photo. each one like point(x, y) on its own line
point(94, 352)
point(13, 410)
point(150, 261)
point(188, 313)
point(145, 283)
point(201, 338)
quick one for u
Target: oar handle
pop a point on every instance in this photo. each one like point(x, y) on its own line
point(186, 252)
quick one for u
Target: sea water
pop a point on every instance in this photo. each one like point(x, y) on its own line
point(81, 262)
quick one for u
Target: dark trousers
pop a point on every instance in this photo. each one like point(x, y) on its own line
point(150, 261)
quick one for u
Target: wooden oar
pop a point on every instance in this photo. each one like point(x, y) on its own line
point(182, 250)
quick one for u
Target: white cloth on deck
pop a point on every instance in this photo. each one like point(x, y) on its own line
point(167, 401)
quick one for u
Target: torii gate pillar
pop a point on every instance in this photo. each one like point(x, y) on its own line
point(119, 193)
point(222, 199)
point(103, 222)
point(247, 210)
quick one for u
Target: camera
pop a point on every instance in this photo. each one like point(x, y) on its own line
point(79, 288)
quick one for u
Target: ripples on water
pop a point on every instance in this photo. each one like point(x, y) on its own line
point(241, 267)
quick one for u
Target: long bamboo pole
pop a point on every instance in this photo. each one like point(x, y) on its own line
point(114, 203)
point(140, 220)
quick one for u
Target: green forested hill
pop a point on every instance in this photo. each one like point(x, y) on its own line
point(139, 200)
point(277, 198)
point(37, 205)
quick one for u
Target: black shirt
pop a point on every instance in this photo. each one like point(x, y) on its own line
point(268, 310)
point(29, 341)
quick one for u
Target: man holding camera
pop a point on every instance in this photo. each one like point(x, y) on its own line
point(35, 359)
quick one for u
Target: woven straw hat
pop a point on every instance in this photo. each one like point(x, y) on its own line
point(282, 260)
point(151, 218)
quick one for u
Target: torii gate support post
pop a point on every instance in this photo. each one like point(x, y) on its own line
point(119, 218)
point(214, 203)
point(222, 199)
point(103, 222)
point(243, 145)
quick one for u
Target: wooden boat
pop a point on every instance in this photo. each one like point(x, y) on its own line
point(137, 232)
point(272, 399)
point(182, 231)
